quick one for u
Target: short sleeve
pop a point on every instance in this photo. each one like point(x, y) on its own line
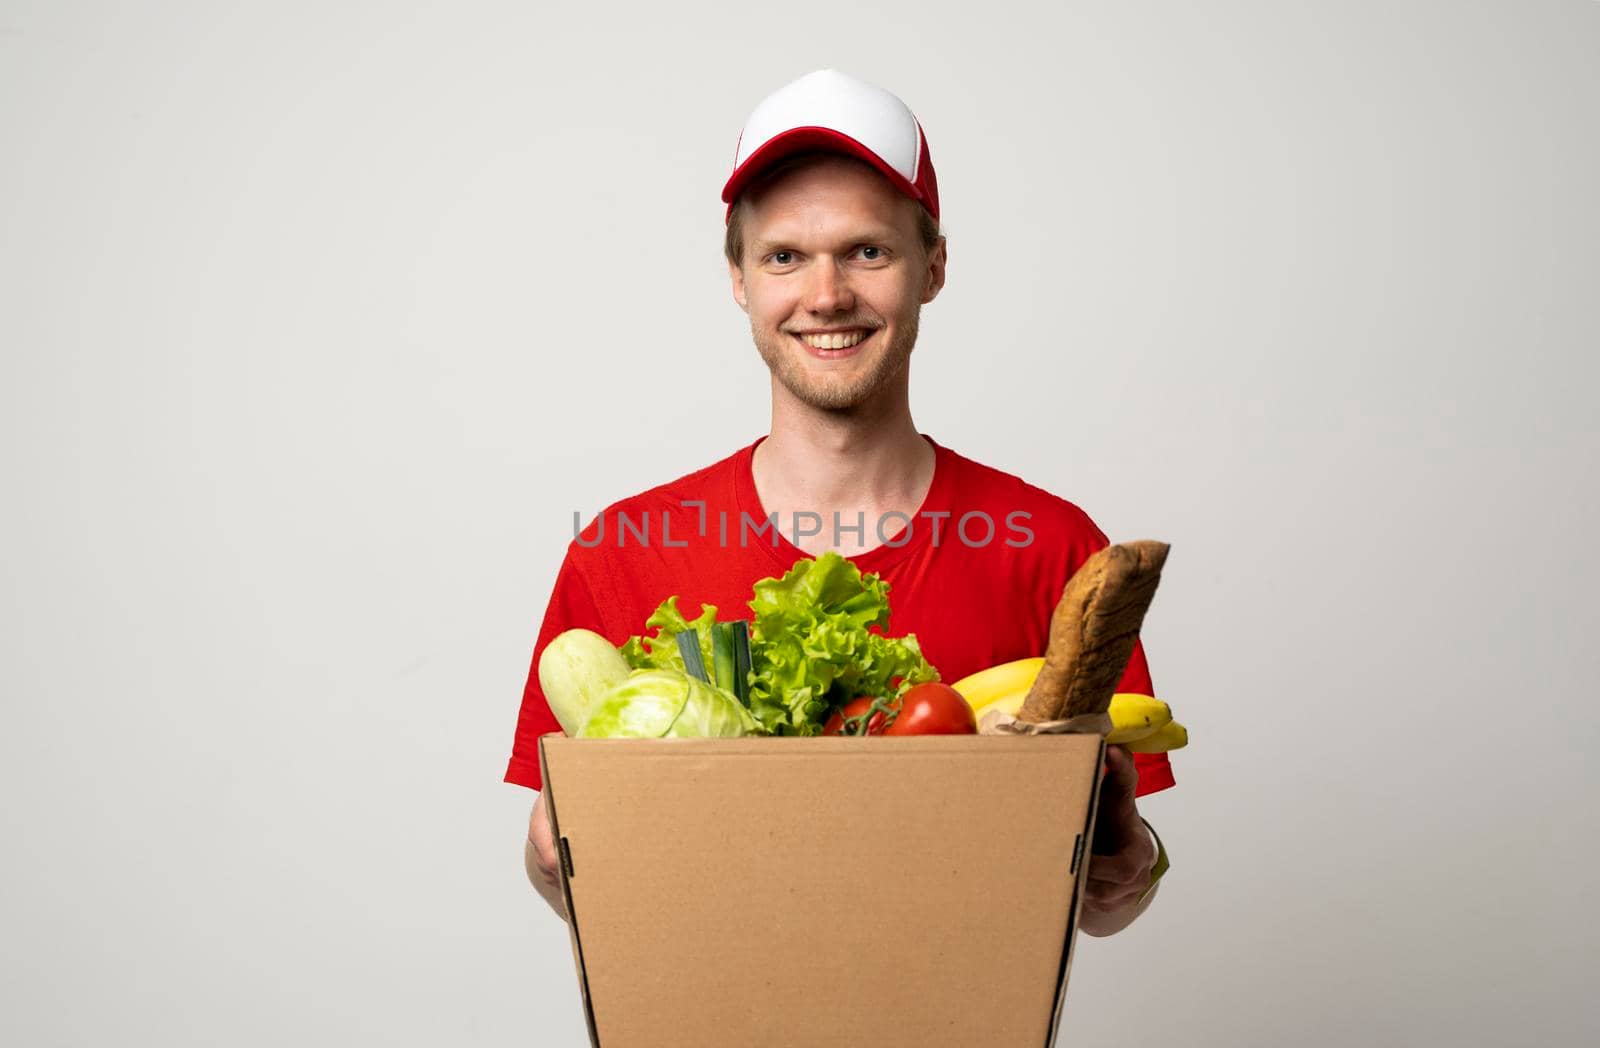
point(1155, 770)
point(571, 607)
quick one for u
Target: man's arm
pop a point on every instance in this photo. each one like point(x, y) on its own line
point(539, 857)
point(1118, 888)
point(571, 606)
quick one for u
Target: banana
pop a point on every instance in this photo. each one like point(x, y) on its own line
point(1143, 723)
point(1132, 716)
point(1135, 717)
point(988, 686)
point(1170, 736)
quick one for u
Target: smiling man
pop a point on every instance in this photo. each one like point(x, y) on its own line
point(833, 248)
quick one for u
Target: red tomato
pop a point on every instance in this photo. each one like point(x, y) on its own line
point(933, 709)
point(925, 709)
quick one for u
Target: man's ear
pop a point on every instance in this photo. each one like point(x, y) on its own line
point(736, 276)
point(936, 263)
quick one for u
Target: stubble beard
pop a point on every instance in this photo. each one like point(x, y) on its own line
point(831, 391)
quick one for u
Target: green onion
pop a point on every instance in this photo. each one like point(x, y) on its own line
point(689, 647)
point(741, 660)
point(722, 654)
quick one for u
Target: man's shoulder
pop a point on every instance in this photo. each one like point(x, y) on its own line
point(1001, 489)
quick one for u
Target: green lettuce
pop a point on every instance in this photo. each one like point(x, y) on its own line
point(655, 704)
point(661, 651)
point(812, 649)
point(812, 644)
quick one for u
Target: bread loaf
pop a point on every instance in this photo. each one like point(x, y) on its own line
point(1093, 630)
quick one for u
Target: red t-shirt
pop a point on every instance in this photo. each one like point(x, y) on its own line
point(975, 574)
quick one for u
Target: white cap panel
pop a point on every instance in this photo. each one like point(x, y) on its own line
point(831, 99)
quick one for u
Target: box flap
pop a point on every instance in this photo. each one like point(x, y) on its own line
point(823, 891)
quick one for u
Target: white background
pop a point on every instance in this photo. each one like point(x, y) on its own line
point(320, 320)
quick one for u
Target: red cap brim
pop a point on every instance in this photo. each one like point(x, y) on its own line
point(802, 139)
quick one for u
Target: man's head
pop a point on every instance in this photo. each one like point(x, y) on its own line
point(833, 243)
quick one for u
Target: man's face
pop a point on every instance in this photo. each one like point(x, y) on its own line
point(834, 277)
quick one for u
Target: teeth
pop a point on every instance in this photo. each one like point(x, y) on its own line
point(836, 340)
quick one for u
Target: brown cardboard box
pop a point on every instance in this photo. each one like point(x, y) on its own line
point(823, 892)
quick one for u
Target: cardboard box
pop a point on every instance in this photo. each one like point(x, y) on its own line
point(823, 892)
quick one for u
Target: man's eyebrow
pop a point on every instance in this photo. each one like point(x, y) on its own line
point(884, 235)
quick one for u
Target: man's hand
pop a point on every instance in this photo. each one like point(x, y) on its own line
point(1122, 856)
point(540, 858)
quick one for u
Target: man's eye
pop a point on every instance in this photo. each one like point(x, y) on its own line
point(871, 252)
point(782, 258)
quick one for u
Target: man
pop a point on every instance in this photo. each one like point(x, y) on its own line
point(833, 248)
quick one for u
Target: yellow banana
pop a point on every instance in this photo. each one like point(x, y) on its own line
point(998, 682)
point(1142, 723)
point(1004, 687)
point(1170, 736)
point(1134, 717)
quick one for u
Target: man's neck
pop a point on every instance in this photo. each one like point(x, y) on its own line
point(870, 463)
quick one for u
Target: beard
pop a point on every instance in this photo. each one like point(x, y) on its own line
point(834, 390)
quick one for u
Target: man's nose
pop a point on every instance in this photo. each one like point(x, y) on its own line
point(829, 288)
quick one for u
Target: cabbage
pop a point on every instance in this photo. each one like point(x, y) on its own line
point(654, 704)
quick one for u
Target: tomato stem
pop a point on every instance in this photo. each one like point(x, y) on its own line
point(863, 720)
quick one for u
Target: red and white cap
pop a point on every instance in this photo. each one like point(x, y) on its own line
point(832, 111)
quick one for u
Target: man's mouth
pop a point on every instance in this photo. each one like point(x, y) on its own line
point(830, 345)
